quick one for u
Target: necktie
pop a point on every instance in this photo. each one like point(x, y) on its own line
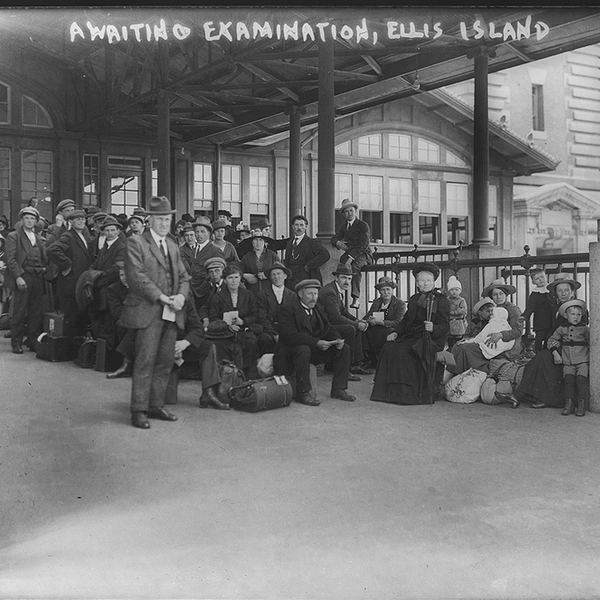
point(162, 249)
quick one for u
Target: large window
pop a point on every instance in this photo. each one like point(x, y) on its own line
point(91, 179)
point(401, 228)
point(125, 192)
point(537, 107)
point(370, 200)
point(34, 114)
point(430, 202)
point(457, 207)
point(4, 103)
point(401, 206)
point(231, 187)
point(203, 187)
point(370, 146)
point(259, 191)
point(36, 175)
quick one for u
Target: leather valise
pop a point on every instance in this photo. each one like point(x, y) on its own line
point(84, 350)
point(261, 394)
point(54, 349)
point(231, 376)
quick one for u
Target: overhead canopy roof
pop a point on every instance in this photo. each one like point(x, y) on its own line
point(233, 75)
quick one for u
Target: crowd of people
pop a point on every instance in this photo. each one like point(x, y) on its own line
point(192, 294)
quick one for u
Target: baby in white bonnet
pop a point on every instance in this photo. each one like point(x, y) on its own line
point(497, 323)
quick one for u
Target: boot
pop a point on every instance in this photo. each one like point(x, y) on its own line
point(583, 393)
point(210, 398)
point(569, 406)
point(580, 407)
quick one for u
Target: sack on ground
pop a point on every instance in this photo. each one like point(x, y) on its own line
point(261, 394)
point(464, 388)
point(231, 376)
point(264, 366)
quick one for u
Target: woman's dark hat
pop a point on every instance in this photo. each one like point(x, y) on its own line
point(277, 265)
point(159, 205)
point(426, 266)
point(257, 234)
point(499, 284)
point(218, 330)
point(219, 224)
point(563, 278)
point(385, 282)
point(342, 269)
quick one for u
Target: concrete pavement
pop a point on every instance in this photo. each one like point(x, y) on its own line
point(345, 500)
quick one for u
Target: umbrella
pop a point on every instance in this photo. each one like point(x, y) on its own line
point(426, 350)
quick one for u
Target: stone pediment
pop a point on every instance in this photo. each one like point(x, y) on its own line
point(556, 197)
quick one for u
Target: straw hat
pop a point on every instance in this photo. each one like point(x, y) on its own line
point(563, 278)
point(562, 309)
point(499, 284)
point(479, 305)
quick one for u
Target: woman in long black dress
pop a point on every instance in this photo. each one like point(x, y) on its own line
point(542, 383)
point(401, 377)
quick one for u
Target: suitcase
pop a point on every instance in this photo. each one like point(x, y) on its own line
point(106, 360)
point(54, 349)
point(84, 350)
point(54, 324)
point(261, 394)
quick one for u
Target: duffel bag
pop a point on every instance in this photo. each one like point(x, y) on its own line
point(464, 388)
point(231, 376)
point(261, 394)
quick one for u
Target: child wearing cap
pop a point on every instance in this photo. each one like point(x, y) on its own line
point(539, 304)
point(458, 311)
point(570, 346)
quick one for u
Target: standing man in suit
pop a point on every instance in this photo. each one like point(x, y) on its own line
point(26, 264)
point(304, 255)
point(269, 302)
point(353, 238)
point(64, 208)
point(333, 299)
point(72, 254)
point(158, 289)
point(305, 337)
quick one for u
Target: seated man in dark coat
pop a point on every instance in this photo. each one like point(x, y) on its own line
point(332, 298)
point(305, 337)
point(269, 302)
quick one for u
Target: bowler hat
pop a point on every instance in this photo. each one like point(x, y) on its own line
point(160, 205)
point(562, 309)
point(479, 305)
point(385, 282)
point(347, 203)
point(426, 266)
point(307, 283)
point(66, 203)
point(204, 222)
point(215, 261)
point(76, 214)
point(342, 269)
point(218, 330)
point(29, 210)
point(563, 278)
point(277, 265)
point(499, 284)
point(110, 221)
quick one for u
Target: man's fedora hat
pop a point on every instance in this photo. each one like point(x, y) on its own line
point(499, 284)
point(218, 330)
point(347, 203)
point(277, 265)
point(204, 222)
point(159, 205)
point(99, 216)
point(342, 269)
point(110, 221)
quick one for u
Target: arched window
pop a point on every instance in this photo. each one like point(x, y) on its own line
point(34, 114)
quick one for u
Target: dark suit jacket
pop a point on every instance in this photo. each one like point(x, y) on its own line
point(295, 329)
point(412, 323)
point(358, 239)
point(106, 262)
point(147, 274)
point(305, 260)
point(336, 310)
point(268, 308)
point(394, 313)
point(115, 297)
point(206, 293)
point(70, 251)
point(17, 248)
point(196, 263)
point(246, 305)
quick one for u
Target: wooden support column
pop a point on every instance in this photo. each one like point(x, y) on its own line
point(481, 147)
point(326, 159)
point(217, 183)
point(295, 173)
point(164, 146)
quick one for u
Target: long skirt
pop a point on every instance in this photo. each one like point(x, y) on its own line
point(542, 381)
point(468, 356)
point(373, 340)
point(400, 377)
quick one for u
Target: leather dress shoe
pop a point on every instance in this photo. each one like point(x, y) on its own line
point(305, 398)
point(352, 377)
point(123, 371)
point(210, 398)
point(539, 405)
point(342, 395)
point(162, 414)
point(509, 399)
point(17, 350)
point(360, 370)
point(139, 420)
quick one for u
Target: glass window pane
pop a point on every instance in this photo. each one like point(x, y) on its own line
point(343, 188)
point(400, 228)
point(344, 148)
point(370, 195)
point(457, 230)
point(36, 174)
point(400, 194)
point(457, 199)
point(399, 146)
point(370, 146)
point(375, 221)
point(428, 151)
point(429, 196)
point(231, 189)
point(429, 230)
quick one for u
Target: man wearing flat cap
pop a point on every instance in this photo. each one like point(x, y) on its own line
point(64, 208)
point(305, 337)
point(72, 254)
point(353, 238)
point(158, 290)
point(212, 285)
point(136, 223)
point(26, 264)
